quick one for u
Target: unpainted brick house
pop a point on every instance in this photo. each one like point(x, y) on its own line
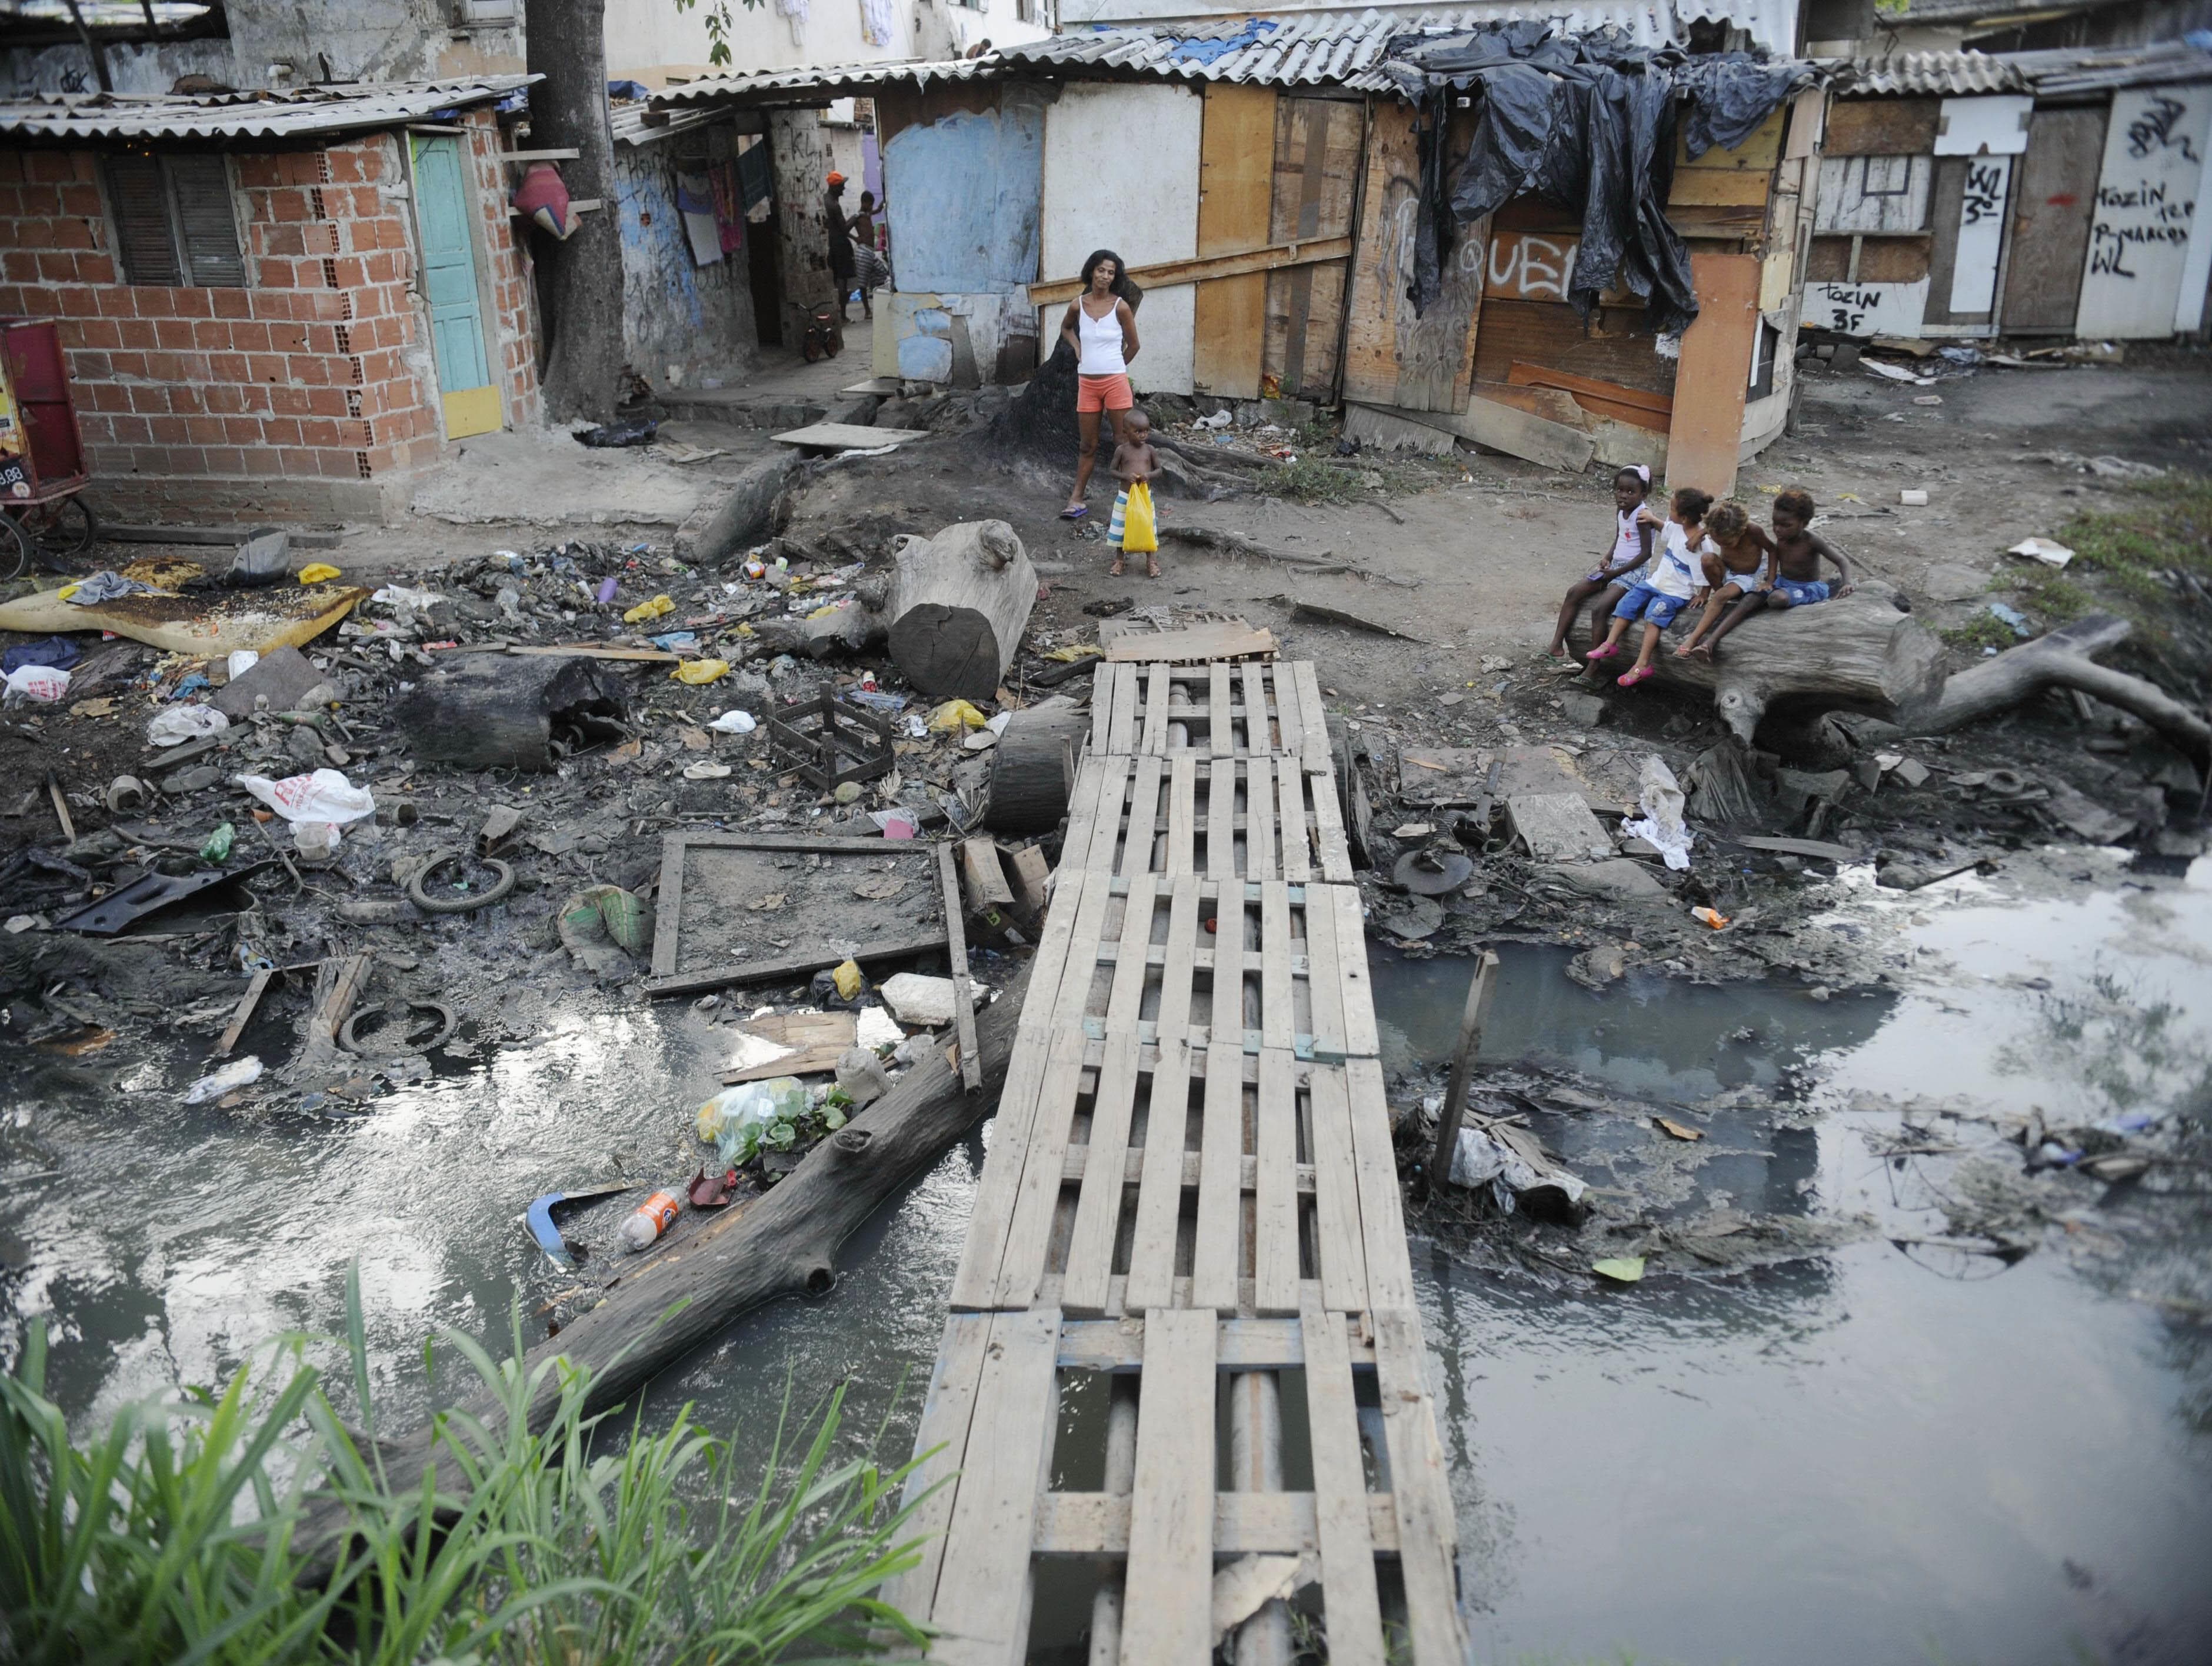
point(279, 305)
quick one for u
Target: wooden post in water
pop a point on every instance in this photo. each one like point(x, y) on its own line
point(1476, 1014)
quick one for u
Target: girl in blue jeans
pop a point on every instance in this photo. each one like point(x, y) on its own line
point(1675, 578)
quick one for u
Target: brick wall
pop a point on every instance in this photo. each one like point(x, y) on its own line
point(312, 391)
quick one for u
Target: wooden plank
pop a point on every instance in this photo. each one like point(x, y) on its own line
point(1879, 127)
point(1182, 810)
point(1330, 850)
point(1215, 1269)
point(1127, 692)
point(1101, 702)
point(1339, 1239)
point(1244, 1524)
point(1517, 433)
point(243, 1013)
point(975, 1283)
point(817, 1041)
point(1702, 185)
point(1260, 816)
point(955, 953)
point(1029, 1228)
point(1098, 1206)
point(1313, 718)
point(1589, 390)
point(668, 905)
point(1172, 1506)
point(1221, 819)
point(1144, 814)
point(1159, 1191)
point(1221, 734)
point(1170, 273)
point(940, 1444)
point(2054, 203)
point(1428, 1536)
point(1176, 969)
point(1158, 690)
point(1341, 1495)
point(986, 876)
point(1290, 727)
point(1258, 737)
point(1096, 800)
point(849, 437)
point(1291, 830)
point(1192, 644)
point(1127, 996)
point(1324, 984)
point(1275, 1003)
point(1705, 434)
point(1361, 1039)
point(982, 1608)
point(1236, 184)
point(767, 971)
point(1374, 1171)
point(1118, 1346)
point(1760, 150)
point(1378, 428)
point(1808, 123)
point(1275, 1201)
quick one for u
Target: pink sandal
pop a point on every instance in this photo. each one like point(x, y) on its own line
point(1603, 651)
point(1631, 678)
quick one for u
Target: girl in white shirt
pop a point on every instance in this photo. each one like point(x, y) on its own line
point(1675, 578)
point(1633, 540)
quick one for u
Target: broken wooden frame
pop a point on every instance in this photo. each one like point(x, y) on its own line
point(817, 735)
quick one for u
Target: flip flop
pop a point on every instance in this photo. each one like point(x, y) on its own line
point(1630, 679)
point(1075, 514)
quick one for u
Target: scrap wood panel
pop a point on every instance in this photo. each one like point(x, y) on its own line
point(1317, 164)
point(1223, 818)
point(1216, 711)
point(1233, 191)
point(1374, 1530)
point(1395, 356)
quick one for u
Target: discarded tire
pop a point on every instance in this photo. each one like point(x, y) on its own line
point(447, 1023)
point(418, 891)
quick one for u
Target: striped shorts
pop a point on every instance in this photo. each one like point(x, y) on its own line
point(1121, 512)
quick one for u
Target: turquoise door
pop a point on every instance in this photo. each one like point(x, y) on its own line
point(449, 280)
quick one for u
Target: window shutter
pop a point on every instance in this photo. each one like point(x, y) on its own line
point(208, 228)
point(141, 203)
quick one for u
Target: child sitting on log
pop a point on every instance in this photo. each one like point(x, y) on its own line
point(1674, 580)
point(1798, 552)
point(1634, 535)
point(1737, 569)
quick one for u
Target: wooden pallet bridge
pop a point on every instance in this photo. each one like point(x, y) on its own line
point(1182, 1377)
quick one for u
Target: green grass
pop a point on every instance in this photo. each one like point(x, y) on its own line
point(2057, 600)
point(1309, 480)
point(2153, 525)
point(1983, 630)
point(177, 1535)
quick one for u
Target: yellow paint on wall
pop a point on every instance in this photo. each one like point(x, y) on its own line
point(473, 411)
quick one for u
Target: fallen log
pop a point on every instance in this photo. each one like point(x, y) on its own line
point(1862, 650)
point(2061, 659)
point(1033, 766)
point(497, 712)
point(785, 1244)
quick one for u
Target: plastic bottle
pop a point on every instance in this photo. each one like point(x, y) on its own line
point(648, 1221)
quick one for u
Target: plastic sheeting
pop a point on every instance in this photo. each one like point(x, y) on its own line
point(1588, 123)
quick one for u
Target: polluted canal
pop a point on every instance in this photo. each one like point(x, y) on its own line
point(1892, 1388)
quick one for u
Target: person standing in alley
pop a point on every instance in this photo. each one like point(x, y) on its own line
point(841, 263)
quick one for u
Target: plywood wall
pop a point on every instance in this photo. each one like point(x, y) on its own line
point(1120, 171)
point(1395, 356)
point(1236, 188)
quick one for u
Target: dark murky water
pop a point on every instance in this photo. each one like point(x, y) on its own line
point(1870, 1457)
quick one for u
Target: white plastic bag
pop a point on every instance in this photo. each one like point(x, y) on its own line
point(241, 660)
point(734, 722)
point(1660, 796)
point(325, 796)
point(172, 725)
point(46, 684)
point(237, 1073)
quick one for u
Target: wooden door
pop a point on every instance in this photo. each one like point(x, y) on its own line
point(1393, 356)
point(449, 284)
point(1236, 182)
point(2053, 202)
point(1316, 177)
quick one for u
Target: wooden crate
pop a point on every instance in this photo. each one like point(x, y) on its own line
point(1259, 817)
point(1378, 1521)
point(1211, 710)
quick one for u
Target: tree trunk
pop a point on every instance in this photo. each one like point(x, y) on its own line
point(567, 46)
point(785, 1244)
point(956, 606)
point(2062, 658)
point(1861, 651)
point(497, 711)
point(1031, 767)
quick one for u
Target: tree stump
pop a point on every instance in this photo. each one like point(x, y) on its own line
point(1031, 767)
point(956, 605)
point(1862, 650)
point(498, 711)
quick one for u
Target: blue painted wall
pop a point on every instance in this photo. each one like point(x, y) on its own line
point(674, 310)
point(964, 192)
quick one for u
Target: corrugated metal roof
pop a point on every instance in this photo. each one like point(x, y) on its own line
point(628, 119)
point(342, 109)
point(1948, 74)
point(1301, 49)
point(2100, 68)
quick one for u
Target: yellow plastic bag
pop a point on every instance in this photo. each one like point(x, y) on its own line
point(652, 610)
point(701, 670)
point(1138, 531)
point(957, 714)
point(321, 572)
point(846, 980)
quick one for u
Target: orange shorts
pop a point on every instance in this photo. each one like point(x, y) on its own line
point(1102, 393)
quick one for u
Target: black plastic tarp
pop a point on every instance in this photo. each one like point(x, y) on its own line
point(1588, 124)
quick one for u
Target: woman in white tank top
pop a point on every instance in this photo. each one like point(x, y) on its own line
point(1101, 326)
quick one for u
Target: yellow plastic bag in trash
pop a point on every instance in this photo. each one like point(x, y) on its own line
point(956, 715)
point(1068, 656)
point(652, 610)
point(321, 572)
point(1138, 533)
point(701, 670)
point(846, 978)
